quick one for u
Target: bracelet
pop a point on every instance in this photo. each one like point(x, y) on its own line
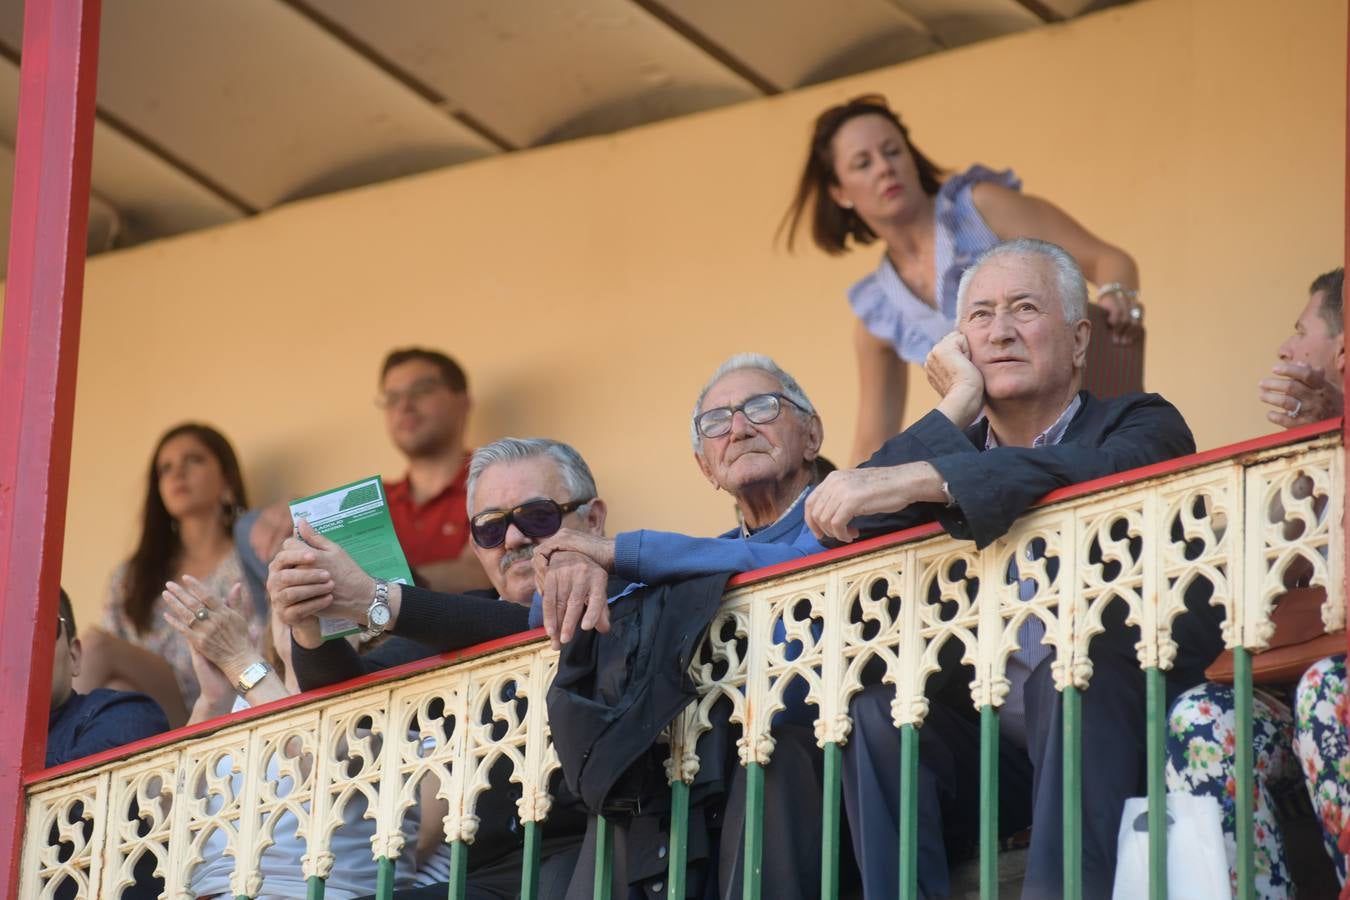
point(948, 500)
point(1116, 287)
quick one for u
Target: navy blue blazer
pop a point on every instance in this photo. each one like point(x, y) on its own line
point(993, 487)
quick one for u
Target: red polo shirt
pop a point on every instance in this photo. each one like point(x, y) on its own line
point(436, 530)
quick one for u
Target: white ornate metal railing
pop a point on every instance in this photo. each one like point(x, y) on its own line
point(1242, 520)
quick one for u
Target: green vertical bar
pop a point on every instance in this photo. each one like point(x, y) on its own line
point(754, 828)
point(679, 839)
point(1244, 801)
point(459, 870)
point(829, 838)
point(604, 858)
point(314, 888)
point(384, 879)
point(1073, 794)
point(529, 875)
point(988, 803)
point(1157, 784)
point(909, 811)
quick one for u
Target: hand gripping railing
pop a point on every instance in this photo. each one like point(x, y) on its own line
point(1239, 520)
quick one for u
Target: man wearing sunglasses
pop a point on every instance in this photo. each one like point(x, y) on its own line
point(518, 492)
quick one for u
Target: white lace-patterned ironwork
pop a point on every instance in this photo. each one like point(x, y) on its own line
point(1249, 525)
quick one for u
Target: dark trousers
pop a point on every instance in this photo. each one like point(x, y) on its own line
point(500, 879)
point(1113, 752)
point(948, 791)
point(1114, 760)
point(791, 823)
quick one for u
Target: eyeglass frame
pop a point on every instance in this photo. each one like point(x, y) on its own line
point(564, 509)
point(740, 408)
point(419, 388)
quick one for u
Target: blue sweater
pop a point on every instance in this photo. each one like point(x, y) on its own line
point(658, 557)
point(991, 487)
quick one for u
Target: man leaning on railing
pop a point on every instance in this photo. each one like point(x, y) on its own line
point(755, 435)
point(1012, 426)
point(519, 492)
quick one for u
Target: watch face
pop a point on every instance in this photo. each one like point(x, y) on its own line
point(252, 675)
point(379, 615)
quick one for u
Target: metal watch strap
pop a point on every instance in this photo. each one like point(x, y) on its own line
point(381, 598)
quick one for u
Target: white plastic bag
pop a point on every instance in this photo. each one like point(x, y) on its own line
point(1197, 867)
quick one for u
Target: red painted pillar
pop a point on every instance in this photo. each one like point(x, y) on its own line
point(1345, 440)
point(37, 377)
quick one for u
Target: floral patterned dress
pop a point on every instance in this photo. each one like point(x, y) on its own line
point(1323, 748)
point(160, 638)
point(1201, 757)
point(1308, 740)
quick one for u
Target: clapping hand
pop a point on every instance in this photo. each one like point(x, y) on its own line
point(217, 635)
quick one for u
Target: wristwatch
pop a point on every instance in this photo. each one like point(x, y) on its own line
point(378, 615)
point(249, 678)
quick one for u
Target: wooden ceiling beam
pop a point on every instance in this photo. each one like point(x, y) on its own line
point(154, 148)
point(426, 92)
point(708, 46)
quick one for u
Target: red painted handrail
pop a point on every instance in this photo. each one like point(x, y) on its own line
point(1232, 451)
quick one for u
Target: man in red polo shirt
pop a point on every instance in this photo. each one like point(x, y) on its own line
point(425, 398)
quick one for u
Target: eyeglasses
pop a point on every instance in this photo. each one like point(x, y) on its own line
point(537, 518)
point(760, 409)
point(415, 391)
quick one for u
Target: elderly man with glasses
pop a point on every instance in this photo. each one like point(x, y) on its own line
point(756, 436)
point(518, 493)
point(1013, 424)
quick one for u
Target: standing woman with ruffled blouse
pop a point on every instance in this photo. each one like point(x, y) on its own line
point(865, 180)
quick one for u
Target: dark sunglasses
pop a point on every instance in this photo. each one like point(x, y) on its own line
point(761, 409)
point(537, 518)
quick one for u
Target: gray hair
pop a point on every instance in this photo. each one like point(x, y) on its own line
point(1069, 282)
point(791, 389)
point(576, 474)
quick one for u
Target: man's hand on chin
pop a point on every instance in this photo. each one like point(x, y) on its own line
point(953, 375)
point(1300, 395)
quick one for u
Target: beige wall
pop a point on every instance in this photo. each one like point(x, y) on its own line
point(589, 288)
